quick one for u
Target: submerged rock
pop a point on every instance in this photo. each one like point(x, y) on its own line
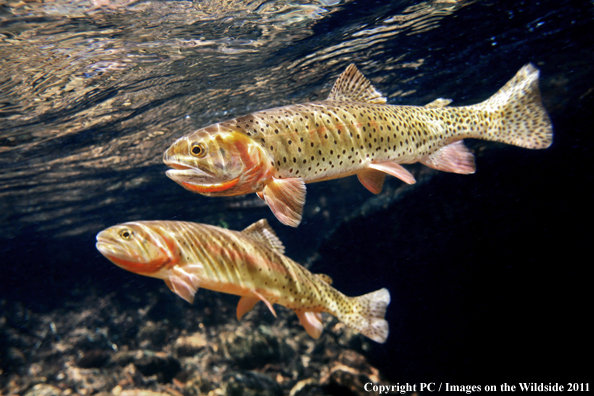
point(87, 381)
point(255, 349)
point(164, 366)
point(44, 390)
point(94, 358)
point(250, 383)
point(97, 349)
point(190, 345)
point(150, 363)
point(151, 335)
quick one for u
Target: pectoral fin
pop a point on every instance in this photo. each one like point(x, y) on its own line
point(455, 158)
point(312, 321)
point(183, 284)
point(286, 198)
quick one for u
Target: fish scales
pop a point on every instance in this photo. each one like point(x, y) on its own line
point(275, 152)
point(226, 257)
point(339, 137)
point(248, 263)
point(234, 262)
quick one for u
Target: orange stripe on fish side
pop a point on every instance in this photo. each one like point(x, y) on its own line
point(140, 268)
point(259, 268)
point(172, 251)
point(211, 187)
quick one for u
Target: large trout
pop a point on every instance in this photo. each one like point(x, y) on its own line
point(275, 152)
point(249, 264)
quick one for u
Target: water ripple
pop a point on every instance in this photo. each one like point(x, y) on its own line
point(91, 93)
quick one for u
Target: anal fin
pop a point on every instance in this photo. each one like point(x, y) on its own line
point(454, 157)
point(394, 169)
point(268, 304)
point(246, 303)
point(312, 321)
point(286, 198)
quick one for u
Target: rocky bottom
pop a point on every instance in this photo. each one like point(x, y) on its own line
point(136, 342)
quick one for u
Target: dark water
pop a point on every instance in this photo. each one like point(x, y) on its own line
point(487, 272)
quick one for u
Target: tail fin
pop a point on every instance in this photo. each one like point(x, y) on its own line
point(523, 121)
point(368, 315)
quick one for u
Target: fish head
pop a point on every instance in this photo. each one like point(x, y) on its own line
point(218, 161)
point(139, 247)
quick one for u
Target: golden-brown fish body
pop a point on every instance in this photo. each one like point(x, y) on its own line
point(249, 264)
point(275, 152)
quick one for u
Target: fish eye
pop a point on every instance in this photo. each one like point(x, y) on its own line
point(198, 150)
point(126, 234)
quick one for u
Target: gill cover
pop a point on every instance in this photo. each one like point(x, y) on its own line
point(217, 161)
point(137, 248)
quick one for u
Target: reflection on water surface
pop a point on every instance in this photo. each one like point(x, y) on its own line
point(92, 93)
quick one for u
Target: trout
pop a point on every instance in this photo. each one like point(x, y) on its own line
point(250, 264)
point(275, 152)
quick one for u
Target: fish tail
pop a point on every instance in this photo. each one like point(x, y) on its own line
point(520, 118)
point(367, 315)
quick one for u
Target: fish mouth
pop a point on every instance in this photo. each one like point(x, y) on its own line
point(199, 181)
point(108, 247)
point(177, 165)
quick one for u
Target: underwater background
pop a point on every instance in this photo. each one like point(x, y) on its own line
point(488, 273)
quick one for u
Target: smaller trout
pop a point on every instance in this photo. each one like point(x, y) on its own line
point(249, 264)
point(275, 152)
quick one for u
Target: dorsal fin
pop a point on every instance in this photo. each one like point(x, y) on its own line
point(261, 232)
point(325, 278)
point(439, 102)
point(352, 86)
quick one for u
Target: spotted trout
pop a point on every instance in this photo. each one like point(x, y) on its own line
point(275, 152)
point(250, 264)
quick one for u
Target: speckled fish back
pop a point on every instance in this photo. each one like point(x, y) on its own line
point(320, 140)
